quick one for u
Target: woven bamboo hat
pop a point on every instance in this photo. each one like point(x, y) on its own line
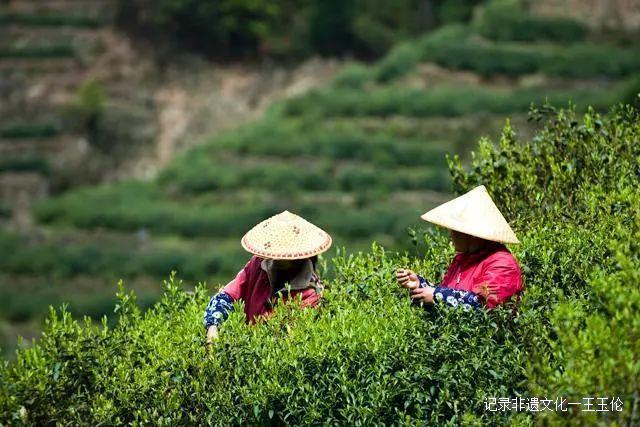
point(286, 236)
point(473, 213)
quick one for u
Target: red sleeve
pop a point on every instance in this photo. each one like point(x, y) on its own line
point(500, 279)
point(235, 287)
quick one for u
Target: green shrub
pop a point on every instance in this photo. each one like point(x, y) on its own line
point(20, 307)
point(19, 130)
point(378, 25)
point(334, 353)
point(129, 210)
point(513, 59)
point(573, 188)
point(446, 101)
point(48, 19)
point(87, 109)
point(55, 260)
point(598, 354)
point(451, 11)
point(366, 355)
point(401, 58)
point(457, 47)
point(199, 172)
point(353, 76)
point(25, 164)
point(632, 95)
point(372, 36)
point(5, 210)
point(44, 51)
point(508, 20)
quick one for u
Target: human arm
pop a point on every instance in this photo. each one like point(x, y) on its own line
point(217, 311)
point(501, 278)
point(499, 281)
point(430, 294)
point(221, 304)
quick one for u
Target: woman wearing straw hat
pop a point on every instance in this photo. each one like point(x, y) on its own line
point(285, 249)
point(483, 272)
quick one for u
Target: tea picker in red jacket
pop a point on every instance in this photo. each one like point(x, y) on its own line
point(483, 272)
point(285, 249)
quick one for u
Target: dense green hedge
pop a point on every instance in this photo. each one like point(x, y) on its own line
point(21, 307)
point(221, 187)
point(134, 206)
point(5, 210)
point(121, 209)
point(260, 156)
point(21, 130)
point(449, 101)
point(577, 181)
point(366, 355)
point(57, 260)
point(514, 59)
point(460, 47)
point(35, 52)
point(25, 164)
point(508, 20)
point(48, 19)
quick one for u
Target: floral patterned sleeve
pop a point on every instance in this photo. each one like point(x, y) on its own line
point(452, 297)
point(218, 309)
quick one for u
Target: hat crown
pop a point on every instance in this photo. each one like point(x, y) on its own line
point(286, 216)
point(473, 213)
point(286, 236)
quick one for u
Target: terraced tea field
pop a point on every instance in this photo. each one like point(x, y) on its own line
point(362, 158)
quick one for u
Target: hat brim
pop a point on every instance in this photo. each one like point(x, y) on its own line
point(452, 224)
point(292, 255)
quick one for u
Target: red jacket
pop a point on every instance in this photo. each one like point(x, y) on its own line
point(252, 286)
point(492, 273)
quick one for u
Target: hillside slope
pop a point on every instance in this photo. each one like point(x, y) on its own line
point(362, 156)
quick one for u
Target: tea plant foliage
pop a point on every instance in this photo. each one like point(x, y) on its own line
point(366, 355)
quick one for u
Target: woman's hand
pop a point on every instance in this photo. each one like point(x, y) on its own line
point(212, 334)
point(423, 294)
point(407, 278)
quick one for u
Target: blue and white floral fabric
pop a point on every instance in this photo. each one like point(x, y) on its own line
point(452, 297)
point(218, 309)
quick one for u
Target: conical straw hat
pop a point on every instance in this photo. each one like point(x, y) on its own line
point(473, 213)
point(286, 236)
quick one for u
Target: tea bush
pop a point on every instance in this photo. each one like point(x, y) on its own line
point(447, 101)
point(86, 112)
point(581, 60)
point(461, 47)
point(366, 355)
point(397, 62)
point(32, 163)
point(508, 20)
point(19, 130)
point(5, 210)
point(577, 180)
point(45, 51)
point(47, 19)
point(311, 365)
point(135, 206)
point(353, 75)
